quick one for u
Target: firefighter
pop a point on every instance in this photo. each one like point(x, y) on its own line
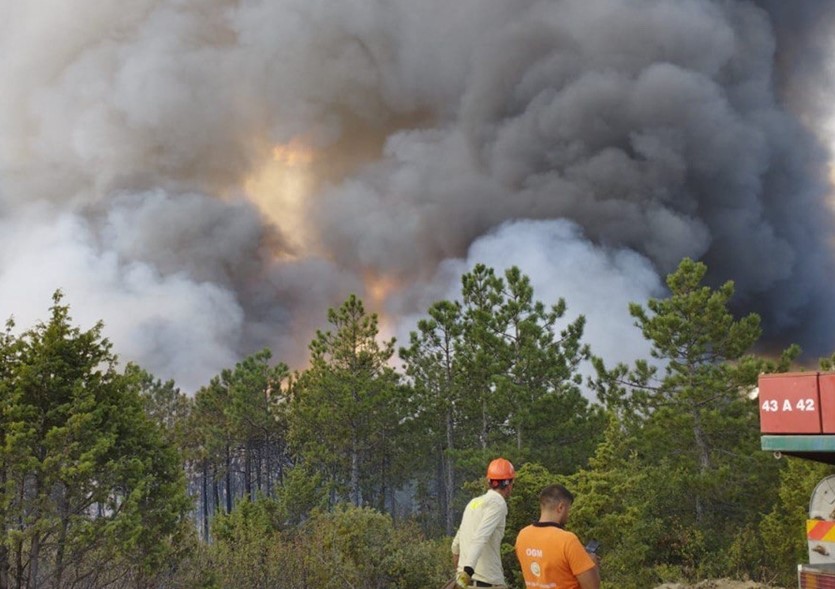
point(476, 546)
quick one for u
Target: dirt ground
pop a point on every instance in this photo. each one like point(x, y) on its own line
point(718, 584)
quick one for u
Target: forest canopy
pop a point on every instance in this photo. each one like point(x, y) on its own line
point(354, 470)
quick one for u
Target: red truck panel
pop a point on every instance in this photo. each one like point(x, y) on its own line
point(826, 391)
point(790, 403)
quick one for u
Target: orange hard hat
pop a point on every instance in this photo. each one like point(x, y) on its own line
point(501, 470)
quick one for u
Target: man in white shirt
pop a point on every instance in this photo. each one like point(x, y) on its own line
point(476, 548)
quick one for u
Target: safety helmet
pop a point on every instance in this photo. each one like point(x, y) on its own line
point(501, 470)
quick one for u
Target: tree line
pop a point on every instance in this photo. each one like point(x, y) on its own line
point(354, 470)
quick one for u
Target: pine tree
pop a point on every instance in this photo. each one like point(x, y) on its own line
point(497, 373)
point(696, 432)
point(347, 409)
point(430, 362)
point(87, 476)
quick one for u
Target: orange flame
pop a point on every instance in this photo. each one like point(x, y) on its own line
point(295, 153)
point(282, 187)
point(380, 287)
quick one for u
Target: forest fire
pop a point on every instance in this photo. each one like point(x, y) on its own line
point(330, 147)
point(206, 185)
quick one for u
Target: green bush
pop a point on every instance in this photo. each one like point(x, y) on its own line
point(361, 547)
point(346, 547)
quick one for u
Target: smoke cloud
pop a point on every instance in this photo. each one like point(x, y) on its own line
point(208, 177)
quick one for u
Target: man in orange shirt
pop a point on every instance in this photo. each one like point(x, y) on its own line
point(552, 557)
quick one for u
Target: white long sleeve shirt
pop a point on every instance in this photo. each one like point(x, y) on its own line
point(479, 538)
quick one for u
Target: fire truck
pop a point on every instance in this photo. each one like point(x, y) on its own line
point(797, 418)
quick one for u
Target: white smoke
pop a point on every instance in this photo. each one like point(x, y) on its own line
point(168, 321)
point(598, 283)
point(130, 136)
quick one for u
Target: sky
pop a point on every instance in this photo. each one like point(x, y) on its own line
point(208, 177)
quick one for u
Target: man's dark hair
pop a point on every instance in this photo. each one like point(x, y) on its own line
point(552, 495)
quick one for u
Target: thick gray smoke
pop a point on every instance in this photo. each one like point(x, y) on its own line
point(209, 176)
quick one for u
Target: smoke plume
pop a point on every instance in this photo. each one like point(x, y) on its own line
point(209, 176)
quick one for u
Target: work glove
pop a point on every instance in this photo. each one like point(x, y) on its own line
point(464, 578)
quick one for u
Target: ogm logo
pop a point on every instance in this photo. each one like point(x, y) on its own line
point(535, 569)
